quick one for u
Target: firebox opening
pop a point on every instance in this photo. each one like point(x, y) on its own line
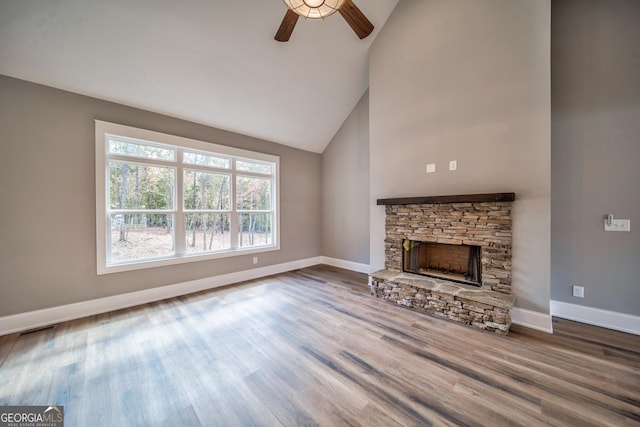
point(458, 263)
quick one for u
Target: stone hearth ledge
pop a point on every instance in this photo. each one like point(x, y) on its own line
point(482, 308)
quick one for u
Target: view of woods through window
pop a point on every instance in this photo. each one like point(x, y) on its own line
point(168, 201)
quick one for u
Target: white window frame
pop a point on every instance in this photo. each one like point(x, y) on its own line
point(103, 130)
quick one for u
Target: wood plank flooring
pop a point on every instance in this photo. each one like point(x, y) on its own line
point(311, 347)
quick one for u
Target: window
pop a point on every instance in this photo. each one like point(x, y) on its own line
point(163, 199)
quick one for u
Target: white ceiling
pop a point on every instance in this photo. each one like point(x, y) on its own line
point(209, 61)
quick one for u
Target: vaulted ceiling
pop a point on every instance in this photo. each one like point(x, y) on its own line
point(213, 62)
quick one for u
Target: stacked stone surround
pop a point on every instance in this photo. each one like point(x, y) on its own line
point(481, 223)
point(486, 224)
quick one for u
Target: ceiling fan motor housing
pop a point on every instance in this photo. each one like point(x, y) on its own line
point(314, 9)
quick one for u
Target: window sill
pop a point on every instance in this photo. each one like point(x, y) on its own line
point(172, 260)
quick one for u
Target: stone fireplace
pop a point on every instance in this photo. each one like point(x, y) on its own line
point(450, 256)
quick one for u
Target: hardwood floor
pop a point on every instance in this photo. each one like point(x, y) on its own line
point(311, 347)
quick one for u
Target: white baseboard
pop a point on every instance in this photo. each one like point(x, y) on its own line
point(348, 265)
point(596, 316)
point(532, 319)
point(63, 313)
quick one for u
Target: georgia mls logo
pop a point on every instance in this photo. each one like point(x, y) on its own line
point(55, 411)
point(31, 416)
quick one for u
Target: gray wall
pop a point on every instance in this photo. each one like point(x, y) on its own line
point(47, 219)
point(467, 81)
point(596, 151)
point(345, 189)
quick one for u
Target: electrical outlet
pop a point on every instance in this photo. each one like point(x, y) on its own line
point(453, 165)
point(578, 291)
point(255, 259)
point(431, 168)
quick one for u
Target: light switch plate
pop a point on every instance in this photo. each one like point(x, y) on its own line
point(431, 167)
point(618, 225)
point(453, 165)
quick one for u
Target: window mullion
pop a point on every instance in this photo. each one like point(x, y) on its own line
point(208, 169)
point(233, 217)
point(140, 160)
point(141, 211)
point(179, 226)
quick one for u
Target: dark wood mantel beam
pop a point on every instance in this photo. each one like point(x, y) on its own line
point(461, 198)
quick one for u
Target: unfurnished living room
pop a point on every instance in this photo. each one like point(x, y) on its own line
point(320, 212)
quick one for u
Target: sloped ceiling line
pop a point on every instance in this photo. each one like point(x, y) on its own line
point(212, 62)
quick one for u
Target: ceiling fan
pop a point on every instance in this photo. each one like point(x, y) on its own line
point(315, 9)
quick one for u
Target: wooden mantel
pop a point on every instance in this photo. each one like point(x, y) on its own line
point(461, 198)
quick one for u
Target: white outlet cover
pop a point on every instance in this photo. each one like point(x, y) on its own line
point(578, 291)
point(431, 167)
point(453, 165)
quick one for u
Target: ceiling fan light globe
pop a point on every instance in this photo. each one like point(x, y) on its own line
point(314, 9)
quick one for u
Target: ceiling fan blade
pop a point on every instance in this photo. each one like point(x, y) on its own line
point(356, 19)
point(286, 27)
